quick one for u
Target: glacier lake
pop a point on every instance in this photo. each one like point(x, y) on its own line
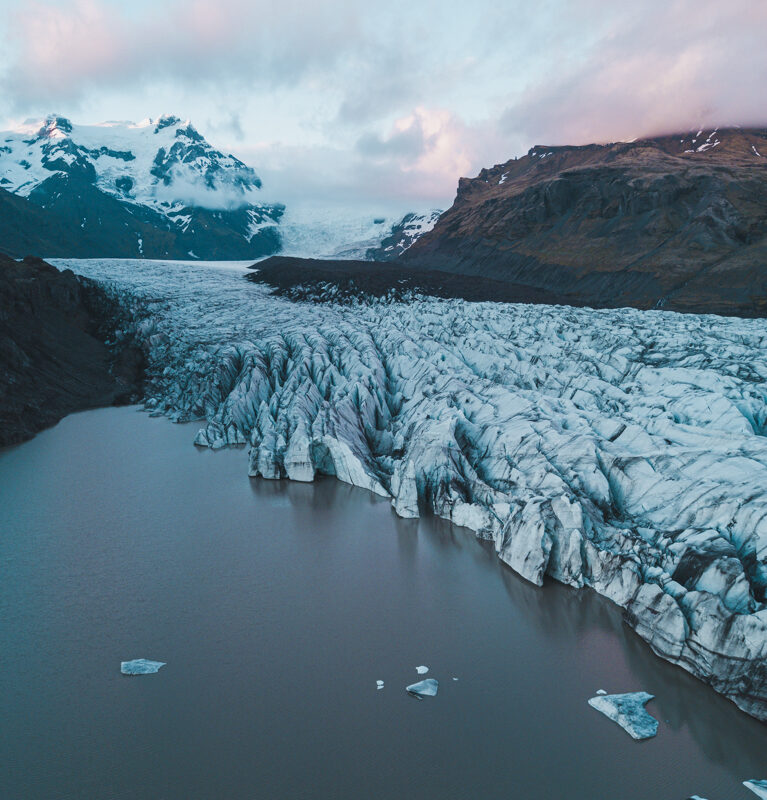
point(277, 606)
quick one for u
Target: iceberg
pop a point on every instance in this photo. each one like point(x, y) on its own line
point(620, 450)
point(759, 788)
point(628, 710)
point(426, 688)
point(421, 670)
point(140, 666)
point(379, 684)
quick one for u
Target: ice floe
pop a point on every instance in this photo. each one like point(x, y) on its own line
point(628, 710)
point(759, 788)
point(379, 684)
point(425, 688)
point(140, 666)
point(421, 670)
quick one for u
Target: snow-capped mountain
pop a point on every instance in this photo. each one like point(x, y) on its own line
point(155, 188)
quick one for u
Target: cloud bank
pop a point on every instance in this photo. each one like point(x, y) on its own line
point(399, 98)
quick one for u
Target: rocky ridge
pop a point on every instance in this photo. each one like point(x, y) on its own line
point(676, 222)
point(54, 356)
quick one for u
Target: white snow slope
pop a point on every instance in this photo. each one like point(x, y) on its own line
point(164, 163)
point(618, 449)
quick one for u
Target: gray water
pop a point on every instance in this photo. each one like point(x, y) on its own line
point(277, 607)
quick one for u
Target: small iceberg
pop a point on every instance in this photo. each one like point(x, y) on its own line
point(421, 670)
point(140, 666)
point(759, 788)
point(427, 688)
point(629, 712)
point(601, 691)
point(379, 684)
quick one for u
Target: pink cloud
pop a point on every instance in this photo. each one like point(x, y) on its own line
point(65, 48)
point(661, 66)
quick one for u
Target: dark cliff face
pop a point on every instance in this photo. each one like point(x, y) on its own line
point(53, 353)
point(68, 217)
point(677, 222)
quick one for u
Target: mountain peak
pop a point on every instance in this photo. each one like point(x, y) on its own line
point(166, 121)
point(54, 126)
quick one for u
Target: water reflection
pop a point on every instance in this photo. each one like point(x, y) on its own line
point(277, 605)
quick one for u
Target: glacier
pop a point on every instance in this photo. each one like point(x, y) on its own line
point(619, 450)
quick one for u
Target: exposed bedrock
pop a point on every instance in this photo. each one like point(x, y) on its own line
point(618, 450)
point(54, 352)
point(675, 222)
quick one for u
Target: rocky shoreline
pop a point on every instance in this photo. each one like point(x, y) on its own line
point(58, 351)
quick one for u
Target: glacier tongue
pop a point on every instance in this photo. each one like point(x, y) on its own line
point(621, 450)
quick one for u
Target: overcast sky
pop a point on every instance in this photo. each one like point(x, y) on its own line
point(387, 101)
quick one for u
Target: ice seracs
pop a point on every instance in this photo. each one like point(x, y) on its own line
point(628, 710)
point(140, 666)
point(620, 450)
point(425, 688)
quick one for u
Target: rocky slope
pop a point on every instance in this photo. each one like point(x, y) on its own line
point(619, 450)
point(676, 222)
point(153, 189)
point(53, 353)
point(346, 280)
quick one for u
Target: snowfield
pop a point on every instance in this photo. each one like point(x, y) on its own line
point(621, 450)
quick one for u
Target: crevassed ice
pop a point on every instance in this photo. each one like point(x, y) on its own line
point(618, 449)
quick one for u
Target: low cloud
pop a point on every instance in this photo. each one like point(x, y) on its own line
point(396, 100)
point(65, 49)
point(415, 164)
point(659, 67)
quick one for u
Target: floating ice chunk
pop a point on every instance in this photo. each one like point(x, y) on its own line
point(455, 679)
point(601, 691)
point(140, 666)
point(379, 684)
point(696, 797)
point(421, 670)
point(427, 688)
point(759, 788)
point(629, 712)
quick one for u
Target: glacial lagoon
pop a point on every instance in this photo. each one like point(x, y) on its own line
point(276, 607)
